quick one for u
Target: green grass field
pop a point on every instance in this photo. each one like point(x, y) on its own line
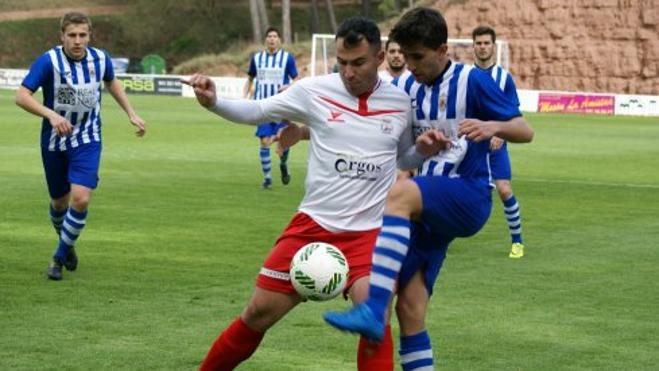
point(178, 229)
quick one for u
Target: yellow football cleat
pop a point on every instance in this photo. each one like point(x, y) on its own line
point(517, 251)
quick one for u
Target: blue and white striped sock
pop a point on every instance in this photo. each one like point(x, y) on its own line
point(416, 352)
point(390, 252)
point(74, 222)
point(266, 164)
point(511, 208)
point(57, 218)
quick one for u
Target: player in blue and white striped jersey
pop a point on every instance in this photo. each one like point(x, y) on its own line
point(270, 71)
point(484, 40)
point(451, 195)
point(70, 76)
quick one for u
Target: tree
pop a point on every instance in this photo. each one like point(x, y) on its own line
point(286, 20)
point(366, 8)
point(263, 15)
point(315, 22)
point(256, 23)
point(330, 13)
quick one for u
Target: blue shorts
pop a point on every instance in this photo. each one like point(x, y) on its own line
point(269, 129)
point(452, 207)
point(500, 163)
point(74, 166)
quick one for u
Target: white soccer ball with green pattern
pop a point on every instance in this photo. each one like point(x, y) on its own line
point(319, 271)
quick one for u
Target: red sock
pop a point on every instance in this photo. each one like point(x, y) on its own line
point(234, 345)
point(376, 356)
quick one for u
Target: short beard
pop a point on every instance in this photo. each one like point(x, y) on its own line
point(486, 60)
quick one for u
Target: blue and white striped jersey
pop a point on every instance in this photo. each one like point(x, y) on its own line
point(271, 72)
point(504, 80)
point(460, 92)
point(72, 89)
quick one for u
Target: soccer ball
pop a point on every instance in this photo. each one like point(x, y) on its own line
point(319, 271)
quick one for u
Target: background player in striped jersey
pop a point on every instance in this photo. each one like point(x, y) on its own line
point(484, 42)
point(358, 127)
point(450, 198)
point(270, 71)
point(394, 61)
point(70, 77)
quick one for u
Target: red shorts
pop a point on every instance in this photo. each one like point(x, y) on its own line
point(356, 246)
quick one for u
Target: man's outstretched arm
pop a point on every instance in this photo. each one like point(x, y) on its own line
point(241, 110)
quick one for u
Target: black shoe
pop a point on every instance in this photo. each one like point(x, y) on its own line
point(71, 260)
point(55, 270)
point(267, 183)
point(285, 176)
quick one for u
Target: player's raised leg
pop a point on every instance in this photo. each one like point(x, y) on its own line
point(391, 247)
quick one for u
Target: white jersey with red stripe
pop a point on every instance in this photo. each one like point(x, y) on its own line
point(354, 144)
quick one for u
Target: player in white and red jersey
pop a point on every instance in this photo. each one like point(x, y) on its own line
point(358, 128)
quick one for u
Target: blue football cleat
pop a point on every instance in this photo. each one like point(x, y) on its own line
point(360, 319)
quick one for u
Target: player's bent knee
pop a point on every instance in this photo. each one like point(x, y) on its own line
point(266, 307)
point(259, 316)
point(404, 198)
point(80, 202)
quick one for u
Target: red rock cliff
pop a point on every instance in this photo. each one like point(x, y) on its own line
point(578, 45)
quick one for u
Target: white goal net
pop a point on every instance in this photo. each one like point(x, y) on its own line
point(323, 53)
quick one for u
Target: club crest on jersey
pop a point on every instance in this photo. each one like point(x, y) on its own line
point(442, 102)
point(335, 116)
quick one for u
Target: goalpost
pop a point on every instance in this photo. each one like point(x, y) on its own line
point(323, 53)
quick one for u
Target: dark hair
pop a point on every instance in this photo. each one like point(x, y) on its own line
point(74, 18)
point(355, 29)
point(421, 25)
point(389, 40)
point(484, 30)
point(273, 29)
